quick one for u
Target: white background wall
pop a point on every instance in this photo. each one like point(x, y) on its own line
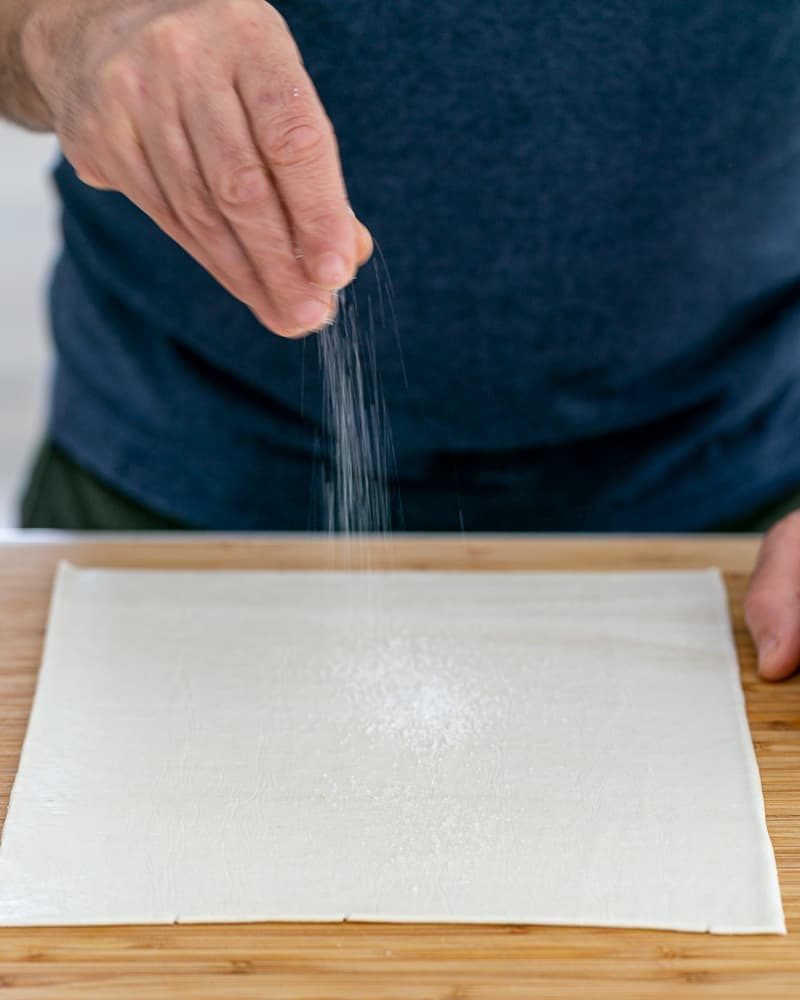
point(27, 240)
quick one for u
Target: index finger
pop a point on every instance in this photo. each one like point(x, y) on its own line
point(772, 604)
point(296, 139)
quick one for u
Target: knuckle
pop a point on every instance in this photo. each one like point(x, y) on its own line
point(274, 16)
point(242, 186)
point(297, 138)
point(123, 80)
point(252, 16)
point(195, 210)
point(172, 37)
point(321, 226)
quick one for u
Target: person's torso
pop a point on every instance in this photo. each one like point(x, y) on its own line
point(588, 213)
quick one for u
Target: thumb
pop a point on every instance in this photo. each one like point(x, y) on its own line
point(772, 604)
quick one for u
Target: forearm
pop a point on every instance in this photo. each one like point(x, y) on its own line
point(20, 100)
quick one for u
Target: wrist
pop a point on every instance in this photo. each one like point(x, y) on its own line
point(37, 33)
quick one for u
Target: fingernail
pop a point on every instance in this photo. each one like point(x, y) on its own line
point(766, 646)
point(332, 271)
point(311, 314)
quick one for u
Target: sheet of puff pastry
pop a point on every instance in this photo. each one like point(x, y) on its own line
point(556, 748)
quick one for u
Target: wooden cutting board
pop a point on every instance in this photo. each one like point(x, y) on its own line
point(384, 962)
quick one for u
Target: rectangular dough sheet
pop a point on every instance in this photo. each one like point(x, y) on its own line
point(559, 748)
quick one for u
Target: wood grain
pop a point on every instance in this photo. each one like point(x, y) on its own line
point(383, 962)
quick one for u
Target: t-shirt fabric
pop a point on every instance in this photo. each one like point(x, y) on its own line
point(590, 216)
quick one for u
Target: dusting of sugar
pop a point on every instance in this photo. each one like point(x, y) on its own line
point(411, 690)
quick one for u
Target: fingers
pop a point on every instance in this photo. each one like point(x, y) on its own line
point(130, 165)
point(296, 141)
point(364, 244)
point(173, 162)
point(145, 155)
point(205, 117)
point(244, 195)
point(772, 604)
point(126, 161)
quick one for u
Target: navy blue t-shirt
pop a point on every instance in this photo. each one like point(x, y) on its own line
point(591, 218)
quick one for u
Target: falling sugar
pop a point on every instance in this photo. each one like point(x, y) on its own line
point(356, 496)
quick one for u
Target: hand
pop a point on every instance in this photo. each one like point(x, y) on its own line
point(201, 113)
point(772, 605)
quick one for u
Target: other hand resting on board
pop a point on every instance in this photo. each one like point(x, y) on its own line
point(772, 605)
